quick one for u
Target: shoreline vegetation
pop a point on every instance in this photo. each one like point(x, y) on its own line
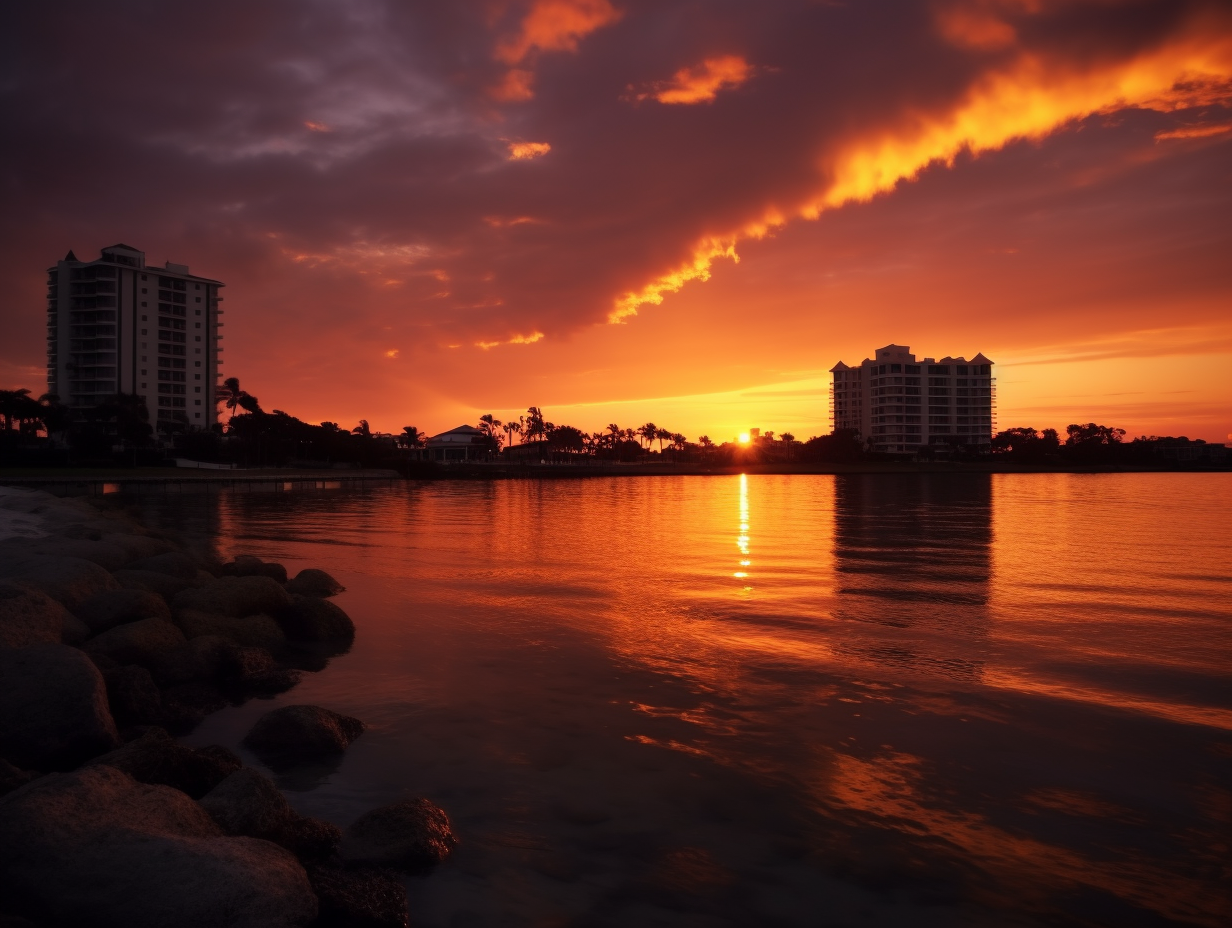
point(44, 434)
point(115, 640)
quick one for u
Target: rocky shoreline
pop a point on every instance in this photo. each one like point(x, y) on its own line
point(114, 641)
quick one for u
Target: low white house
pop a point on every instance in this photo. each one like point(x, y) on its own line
point(464, 443)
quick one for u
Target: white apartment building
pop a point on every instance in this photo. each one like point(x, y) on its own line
point(900, 404)
point(115, 325)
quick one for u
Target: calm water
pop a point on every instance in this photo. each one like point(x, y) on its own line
point(803, 700)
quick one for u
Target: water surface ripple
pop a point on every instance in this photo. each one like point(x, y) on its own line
point(778, 700)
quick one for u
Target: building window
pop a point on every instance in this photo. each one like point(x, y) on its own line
point(198, 325)
point(143, 304)
point(198, 299)
point(197, 364)
point(143, 289)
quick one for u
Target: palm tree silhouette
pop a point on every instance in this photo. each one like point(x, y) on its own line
point(235, 397)
point(362, 429)
point(411, 437)
point(15, 406)
point(663, 435)
point(511, 427)
point(648, 432)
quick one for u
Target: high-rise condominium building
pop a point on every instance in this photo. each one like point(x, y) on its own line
point(899, 403)
point(115, 325)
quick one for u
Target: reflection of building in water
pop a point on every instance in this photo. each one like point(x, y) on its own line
point(901, 404)
point(913, 559)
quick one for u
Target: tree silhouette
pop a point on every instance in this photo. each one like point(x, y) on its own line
point(362, 429)
point(535, 427)
point(18, 406)
point(411, 437)
point(648, 432)
point(491, 427)
point(511, 428)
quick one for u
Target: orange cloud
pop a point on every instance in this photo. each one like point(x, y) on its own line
point(702, 83)
point(316, 126)
point(1194, 132)
point(549, 26)
point(515, 86)
point(556, 26)
point(516, 340)
point(1029, 99)
point(527, 151)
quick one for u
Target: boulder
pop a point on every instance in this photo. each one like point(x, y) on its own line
point(29, 616)
point(171, 563)
point(133, 696)
point(207, 657)
point(75, 631)
point(310, 618)
point(188, 703)
point(245, 565)
point(363, 898)
point(409, 836)
point(143, 642)
point(254, 671)
point(163, 584)
point(294, 732)
point(12, 777)
point(254, 631)
point(68, 580)
point(235, 596)
point(248, 803)
point(95, 847)
point(310, 838)
point(16, 921)
point(156, 758)
point(106, 610)
point(313, 582)
point(53, 707)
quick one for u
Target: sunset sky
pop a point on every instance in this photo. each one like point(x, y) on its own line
point(621, 210)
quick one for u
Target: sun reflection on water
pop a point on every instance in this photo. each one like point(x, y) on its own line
point(742, 540)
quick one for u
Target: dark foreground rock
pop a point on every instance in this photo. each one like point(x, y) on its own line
point(70, 581)
point(165, 585)
point(133, 696)
point(359, 898)
point(411, 835)
point(254, 631)
point(12, 777)
point(144, 642)
point(106, 610)
point(313, 582)
point(310, 618)
point(236, 597)
point(157, 759)
point(29, 616)
point(248, 803)
point(172, 563)
point(245, 565)
point(97, 848)
point(53, 707)
point(298, 732)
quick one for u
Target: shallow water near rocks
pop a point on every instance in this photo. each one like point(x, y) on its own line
point(776, 700)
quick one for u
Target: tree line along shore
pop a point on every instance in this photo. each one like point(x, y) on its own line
point(44, 433)
point(113, 642)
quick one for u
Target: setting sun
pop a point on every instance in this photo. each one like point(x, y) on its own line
point(744, 438)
